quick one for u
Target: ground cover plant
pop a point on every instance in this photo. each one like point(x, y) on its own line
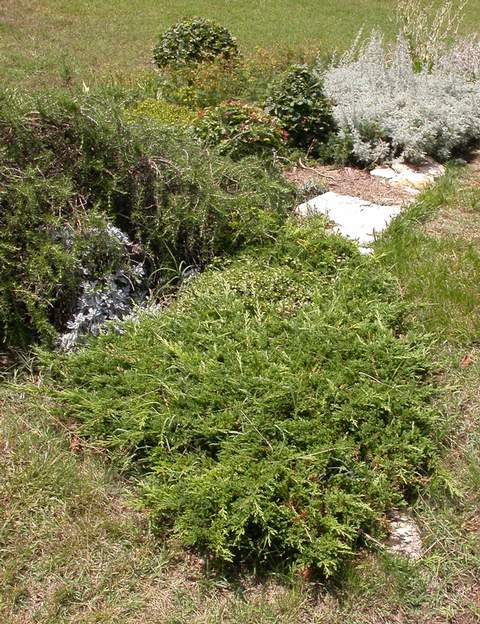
point(89, 195)
point(278, 407)
point(161, 112)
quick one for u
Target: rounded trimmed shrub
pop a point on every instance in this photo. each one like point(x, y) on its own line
point(240, 129)
point(194, 41)
point(298, 101)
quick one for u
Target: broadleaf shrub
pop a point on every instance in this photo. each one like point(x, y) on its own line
point(68, 165)
point(298, 101)
point(194, 41)
point(278, 407)
point(391, 110)
point(240, 129)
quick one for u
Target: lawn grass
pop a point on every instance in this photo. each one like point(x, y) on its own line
point(52, 41)
point(433, 249)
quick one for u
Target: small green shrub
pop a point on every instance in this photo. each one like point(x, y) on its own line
point(241, 129)
point(194, 41)
point(278, 407)
point(297, 99)
point(337, 149)
point(160, 112)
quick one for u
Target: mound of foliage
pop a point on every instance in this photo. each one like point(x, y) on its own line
point(297, 100)
point(278, 407)
point(389, 108)
point(73, 170)
point(161, 112)
point(241, 129)
point(194, 41)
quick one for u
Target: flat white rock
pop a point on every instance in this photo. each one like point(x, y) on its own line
point(383, 172)
point(404, 536)
point(412, 177)
point(352, 217)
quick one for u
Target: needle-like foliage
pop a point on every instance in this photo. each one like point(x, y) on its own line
point(277, 408)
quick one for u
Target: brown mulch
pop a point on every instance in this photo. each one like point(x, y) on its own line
point(350, 181)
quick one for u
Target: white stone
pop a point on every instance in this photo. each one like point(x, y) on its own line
point(352, 217)
point(383, 172)
point(410, 177)
point(404, 535)
point(428, 167)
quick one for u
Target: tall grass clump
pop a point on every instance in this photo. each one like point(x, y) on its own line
point(74, 170)
point(275, 409)
point(429, 27)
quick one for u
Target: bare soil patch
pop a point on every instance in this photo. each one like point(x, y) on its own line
point(350, 181)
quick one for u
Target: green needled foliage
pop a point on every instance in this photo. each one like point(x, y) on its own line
point(70, 165)
point(276, 409)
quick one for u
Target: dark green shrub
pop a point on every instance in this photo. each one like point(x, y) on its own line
point(194, 41)
point(240, 129)
point(297, 99)
point(337, 149)
point(64, 162)
point(279, 406)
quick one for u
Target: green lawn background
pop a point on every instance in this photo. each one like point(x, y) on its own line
point(45, 41)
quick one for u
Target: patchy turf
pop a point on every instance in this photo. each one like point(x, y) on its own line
point(52, 41)
point(433, 251)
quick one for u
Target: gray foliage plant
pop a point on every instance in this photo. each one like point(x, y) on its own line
point(391, 109)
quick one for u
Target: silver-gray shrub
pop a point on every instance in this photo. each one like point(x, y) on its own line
point(390, 110)
point(109, 297)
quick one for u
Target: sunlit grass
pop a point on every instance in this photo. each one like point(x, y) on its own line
point(45, 41)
